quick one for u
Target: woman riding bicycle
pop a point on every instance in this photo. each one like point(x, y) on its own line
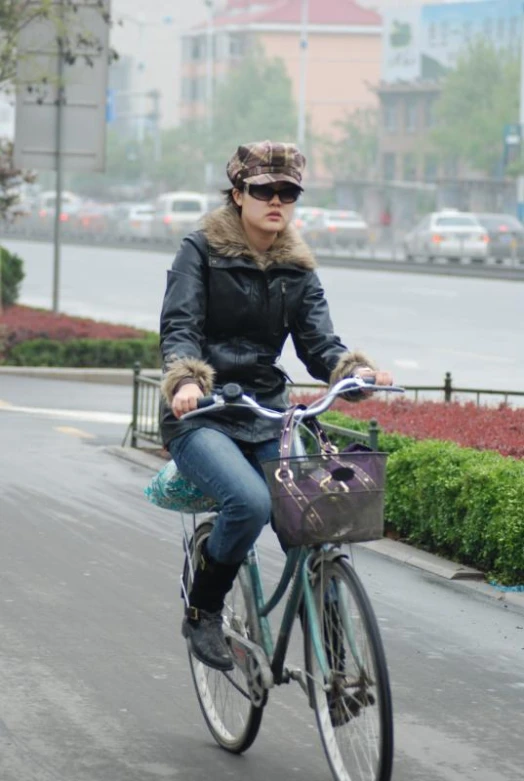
point(237, 289)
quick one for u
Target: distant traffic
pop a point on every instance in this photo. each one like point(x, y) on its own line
point(448, 235)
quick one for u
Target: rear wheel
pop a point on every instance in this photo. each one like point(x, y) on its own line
point(224, 697)
point(354, 717)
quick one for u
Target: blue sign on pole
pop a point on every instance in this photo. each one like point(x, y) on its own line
point(110, 106)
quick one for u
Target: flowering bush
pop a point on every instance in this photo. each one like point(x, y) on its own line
point(23, 323)
point(483, 428)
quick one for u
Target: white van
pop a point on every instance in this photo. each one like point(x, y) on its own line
point(177, 213)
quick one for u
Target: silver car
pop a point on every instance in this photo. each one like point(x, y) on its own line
point(344, 229)
point(450, 234)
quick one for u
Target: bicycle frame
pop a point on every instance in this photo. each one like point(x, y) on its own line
point(298, 566)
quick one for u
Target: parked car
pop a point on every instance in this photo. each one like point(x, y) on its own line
point(344, 229)
point(506, 236)
point(450, 234)
point(309, 220)
point(177, 213)
point(136, 219)
point(92, 217)
point(46, 205)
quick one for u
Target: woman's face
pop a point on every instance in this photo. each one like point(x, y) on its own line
point(269, 216)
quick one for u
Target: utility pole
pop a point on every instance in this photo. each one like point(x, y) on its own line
point(60, 95)
point(210, 75)
point(304, 42)
point(520, 180)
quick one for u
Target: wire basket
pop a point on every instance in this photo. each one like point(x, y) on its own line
point(328, 498)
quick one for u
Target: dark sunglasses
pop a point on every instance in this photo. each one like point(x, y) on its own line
point(265, 192)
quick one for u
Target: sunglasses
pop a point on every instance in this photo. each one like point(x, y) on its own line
point(266, 192)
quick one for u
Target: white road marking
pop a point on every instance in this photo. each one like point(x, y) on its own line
point(75, 432)
point(475, 356)
point(118, 418)
point(430, 291)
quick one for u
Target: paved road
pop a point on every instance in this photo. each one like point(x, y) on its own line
point(94, 682)
point(420, 326)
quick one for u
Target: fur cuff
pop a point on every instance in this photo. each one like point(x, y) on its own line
point(186, 368)
point(347, 364)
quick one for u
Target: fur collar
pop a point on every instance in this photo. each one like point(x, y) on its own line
point(225, 234)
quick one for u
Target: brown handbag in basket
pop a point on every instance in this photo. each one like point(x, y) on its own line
point(329, 497)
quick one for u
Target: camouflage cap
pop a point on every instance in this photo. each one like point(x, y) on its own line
point(263, 162)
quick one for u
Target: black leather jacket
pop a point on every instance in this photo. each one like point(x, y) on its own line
point(229, 310)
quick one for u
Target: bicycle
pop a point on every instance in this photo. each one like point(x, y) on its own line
point(346, 677)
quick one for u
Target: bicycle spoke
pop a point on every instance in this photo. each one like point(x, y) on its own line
point(224, 697)
point(354, 716)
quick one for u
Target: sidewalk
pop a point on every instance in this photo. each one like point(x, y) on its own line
point(391, 549)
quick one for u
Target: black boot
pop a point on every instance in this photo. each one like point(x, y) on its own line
point(202, 625)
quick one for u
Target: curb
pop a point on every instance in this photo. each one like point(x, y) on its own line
point(390, 549)
point(399, 551)
point(101, 376)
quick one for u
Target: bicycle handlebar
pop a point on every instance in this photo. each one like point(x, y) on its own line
point(233, 396)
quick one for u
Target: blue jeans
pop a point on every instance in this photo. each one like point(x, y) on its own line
point(229, 471)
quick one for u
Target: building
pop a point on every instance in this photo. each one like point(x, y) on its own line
point(420, 45)
point(407, 118)
point(343, 54)
point(148, 36)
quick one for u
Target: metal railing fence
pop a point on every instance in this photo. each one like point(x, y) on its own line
point(146, 411)
point(145, 423)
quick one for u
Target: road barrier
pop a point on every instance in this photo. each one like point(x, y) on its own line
point(388, 257)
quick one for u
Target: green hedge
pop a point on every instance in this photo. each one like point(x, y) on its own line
point(11, 276)
point(94, 353)
point(465, 504)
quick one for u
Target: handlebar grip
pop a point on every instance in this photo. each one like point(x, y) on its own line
point(205, 401)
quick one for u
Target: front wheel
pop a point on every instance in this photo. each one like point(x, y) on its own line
point(224, 697)
point(354, 716)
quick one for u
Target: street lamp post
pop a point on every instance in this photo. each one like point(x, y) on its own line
point(520, 180)
point(141, 93)
point(210, 74)
point(304, 42)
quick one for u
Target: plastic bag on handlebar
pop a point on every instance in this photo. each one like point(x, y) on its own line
point(170, 490)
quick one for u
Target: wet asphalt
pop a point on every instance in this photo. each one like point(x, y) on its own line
point(94, 679)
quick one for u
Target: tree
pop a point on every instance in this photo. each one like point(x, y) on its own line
point(11, 178)
point(11, 276)
point(254, 102)
point(183, 160)
point(354, 154)
point(479, 97)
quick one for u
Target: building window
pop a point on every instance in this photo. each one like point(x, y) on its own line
point(198, 49)
point(390, 114)
point(388, 166)
point(409, 166)
point(193, 89)
point(411, 109)
point(430, 168)
point(429, 111)
point(450, 168)
point(236, 46)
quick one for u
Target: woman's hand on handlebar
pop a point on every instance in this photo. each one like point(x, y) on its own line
point(185, 399)
point(377, 377)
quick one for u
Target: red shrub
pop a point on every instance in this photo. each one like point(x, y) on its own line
point(484, 428)
point(22, 323)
